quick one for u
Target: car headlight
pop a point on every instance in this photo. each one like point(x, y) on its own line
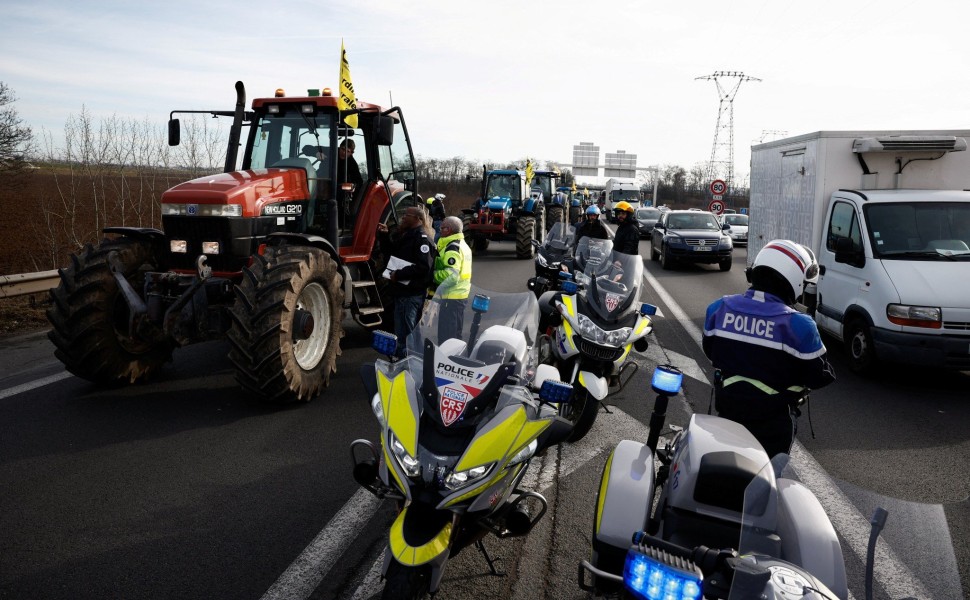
point(725, 241)
point(410, 464)
point(675, 240)
point(915, 316)
point(459, 479)
point(593, 332)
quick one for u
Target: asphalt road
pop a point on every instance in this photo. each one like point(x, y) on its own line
point(187, 488)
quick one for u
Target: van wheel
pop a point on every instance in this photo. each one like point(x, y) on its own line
point(858, 345)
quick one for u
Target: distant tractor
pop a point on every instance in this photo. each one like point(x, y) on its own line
point(505, 210)
point(268, 255)
point(553, 197)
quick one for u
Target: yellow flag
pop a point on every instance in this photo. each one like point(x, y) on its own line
point(528, 173)
point(347, 99)
point(574, 185)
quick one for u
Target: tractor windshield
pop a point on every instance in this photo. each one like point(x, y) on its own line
point(289, 137)
point(503, 186)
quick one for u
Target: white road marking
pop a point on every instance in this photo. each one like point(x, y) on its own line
point(32, 385)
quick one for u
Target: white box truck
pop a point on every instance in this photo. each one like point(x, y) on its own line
point(618, 189)
point(887, 213)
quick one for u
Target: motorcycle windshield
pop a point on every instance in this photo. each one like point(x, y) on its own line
point(560, 237)
point(914, 553)
point(463, 351)
point(612, 279)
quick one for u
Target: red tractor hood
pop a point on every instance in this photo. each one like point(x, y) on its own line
point(252, 189)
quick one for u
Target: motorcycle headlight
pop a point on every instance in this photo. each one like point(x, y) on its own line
point(378, 408)
point(525, 453)
point(591, 331)
point(460, 479)
point(409, 463)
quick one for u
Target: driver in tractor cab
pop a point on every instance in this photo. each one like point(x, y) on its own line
point(627, 237)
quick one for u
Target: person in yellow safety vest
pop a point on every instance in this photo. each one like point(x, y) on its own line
point(452, 277)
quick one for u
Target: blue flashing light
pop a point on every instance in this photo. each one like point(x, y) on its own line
point(650, 579)
point(667, 380)
point(569, 287)
point(555, 392)
point(648, 310)
point(565, 275)
point(480, 303)
point(384, 342)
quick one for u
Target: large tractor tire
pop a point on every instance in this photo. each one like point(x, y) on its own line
point(286, 323)
point(89, 316)
point(525, 232)
point(554, 215)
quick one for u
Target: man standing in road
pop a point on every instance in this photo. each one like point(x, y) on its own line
point(410, 251)
point(627, 237)
point(452, 279)
point(767, 355)
point(436, 208)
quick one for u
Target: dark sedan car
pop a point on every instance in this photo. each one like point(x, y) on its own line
point(691, 236)
point(646, 218)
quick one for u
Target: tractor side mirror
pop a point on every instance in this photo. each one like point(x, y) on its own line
point(384, 130)
point(174, 132)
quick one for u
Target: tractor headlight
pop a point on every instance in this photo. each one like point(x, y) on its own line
point(210, 247)
point(459, 479)
point(179, 246)
point(410, 464)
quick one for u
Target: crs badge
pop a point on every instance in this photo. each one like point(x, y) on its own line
point(612, 301)
point(452, 405)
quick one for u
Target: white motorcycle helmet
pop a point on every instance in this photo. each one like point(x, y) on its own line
point(783, 268)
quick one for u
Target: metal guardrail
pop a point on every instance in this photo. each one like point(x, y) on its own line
point(27, 283)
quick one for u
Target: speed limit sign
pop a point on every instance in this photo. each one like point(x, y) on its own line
point(718, 187)
point(716, 207)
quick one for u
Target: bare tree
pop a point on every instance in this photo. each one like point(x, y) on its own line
point(16, 139)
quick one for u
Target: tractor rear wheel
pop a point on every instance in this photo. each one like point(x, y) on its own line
point(89, 316)
point(525, 232)
point(553, 216)
point(286, 323)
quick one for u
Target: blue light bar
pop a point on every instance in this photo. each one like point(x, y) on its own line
point(555, 392)
point(648, 310)
point(565, 275)
point(569, 287)
point(480, 303)
point(667, 380)
point(384, 342)
point(650, 579)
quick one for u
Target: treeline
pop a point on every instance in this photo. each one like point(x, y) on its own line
point(113, 171)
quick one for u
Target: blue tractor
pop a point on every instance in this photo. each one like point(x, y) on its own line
point(505, 210)
point(554, 198)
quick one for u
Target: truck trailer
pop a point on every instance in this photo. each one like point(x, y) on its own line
point(887, 214)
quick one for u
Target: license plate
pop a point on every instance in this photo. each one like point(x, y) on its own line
point(702, 249)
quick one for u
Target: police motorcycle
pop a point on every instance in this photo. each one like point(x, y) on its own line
point(553, 259)
point(730, 523)
point(592, 324)
point(461, 417)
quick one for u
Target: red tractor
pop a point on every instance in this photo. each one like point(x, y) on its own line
point(268, 255)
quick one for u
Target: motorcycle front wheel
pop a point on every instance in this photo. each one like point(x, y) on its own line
point(406, 583)
point(581, 412)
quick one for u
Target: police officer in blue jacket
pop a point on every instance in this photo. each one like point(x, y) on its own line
point(766, 354)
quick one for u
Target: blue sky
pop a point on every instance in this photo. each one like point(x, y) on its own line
point(502, 80)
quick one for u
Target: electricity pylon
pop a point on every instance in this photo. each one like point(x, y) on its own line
point(721, 166)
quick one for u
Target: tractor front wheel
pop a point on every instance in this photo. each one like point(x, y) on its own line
point(90, 318)
point(525, 232)
point(286, 323)
point(555, 215)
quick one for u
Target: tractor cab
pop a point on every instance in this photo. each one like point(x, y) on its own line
point(506, 188)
